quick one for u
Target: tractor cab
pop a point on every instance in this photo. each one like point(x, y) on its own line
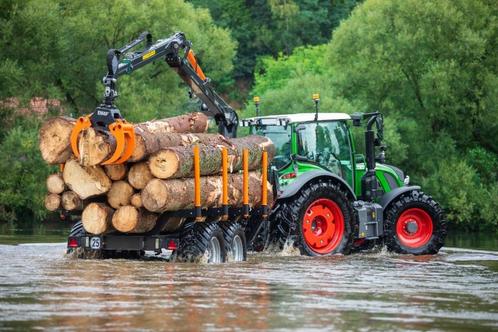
point(307, 142)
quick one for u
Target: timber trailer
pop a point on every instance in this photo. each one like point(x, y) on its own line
point(327, 197)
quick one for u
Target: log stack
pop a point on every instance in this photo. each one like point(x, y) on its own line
point(157, 178)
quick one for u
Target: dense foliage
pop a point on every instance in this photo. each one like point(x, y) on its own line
point(431, 68)
point(57, 49)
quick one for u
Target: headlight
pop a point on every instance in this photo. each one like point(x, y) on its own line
point(406, 181)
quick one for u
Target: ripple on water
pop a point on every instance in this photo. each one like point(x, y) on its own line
point(456, 290)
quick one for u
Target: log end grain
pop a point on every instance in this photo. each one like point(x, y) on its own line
point(119, 194)
point(54, 139)
point(139, 175)
point(96, 218)
point(52, 202)
point(55, 183)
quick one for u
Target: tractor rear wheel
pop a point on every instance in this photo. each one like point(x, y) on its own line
point(414, 224)
point(235, 241)
point(202, 242)
point(319, 219)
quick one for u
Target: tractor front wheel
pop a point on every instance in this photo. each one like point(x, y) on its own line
point(319, 219)
point(414, 224)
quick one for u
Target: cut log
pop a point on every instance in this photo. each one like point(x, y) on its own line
point(97, 218)
point(85, 181)
point(115, 172)
point(71, 201)
point(128, 219)
point(177, 194)
point(139, 175)
point(96, 147)
point(178, 162)
point(55, 183)
point(120, 194)
point(52, 202)
point(256, 145)
point(54, 139)
point(136, 200)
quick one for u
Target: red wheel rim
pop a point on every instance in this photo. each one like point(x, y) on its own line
point(323, 226)
point(414, 228)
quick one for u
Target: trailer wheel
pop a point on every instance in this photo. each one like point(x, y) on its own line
point(414, 224)
point(319, 219)
point(202, 242)
point(235, 241)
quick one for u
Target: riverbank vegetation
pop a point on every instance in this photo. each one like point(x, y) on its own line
point(430, 67)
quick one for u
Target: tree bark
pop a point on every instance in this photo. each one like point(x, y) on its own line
point(116, 172)
point(178, 162)
point(136, 200)
point(120, 194)
point(54, 139)
point(85, 181)
point(55, 183)
point(128, 219)
point(71, 201)
point(97, 218)
point(177, 194)
point(139, 175)
point(52, 202)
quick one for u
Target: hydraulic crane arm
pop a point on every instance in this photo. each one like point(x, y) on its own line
point(184, 63)
point(176, 51)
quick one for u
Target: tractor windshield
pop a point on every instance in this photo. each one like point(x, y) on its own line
point(327, 144)
point(281, 138)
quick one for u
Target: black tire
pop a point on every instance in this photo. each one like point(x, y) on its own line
point(235, 241)
point(195, 242)
point(413, 201)
point(288, 217)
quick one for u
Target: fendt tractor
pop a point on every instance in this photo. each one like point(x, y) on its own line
point(327, 197)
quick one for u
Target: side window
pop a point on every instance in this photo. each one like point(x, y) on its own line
point(327, 143)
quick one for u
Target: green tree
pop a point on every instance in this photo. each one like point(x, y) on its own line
point(433, 66)
point(59, 48)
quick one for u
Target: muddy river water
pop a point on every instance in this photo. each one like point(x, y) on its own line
point(455, 290)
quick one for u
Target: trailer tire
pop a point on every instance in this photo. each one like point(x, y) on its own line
point(425, 217)
point(202, 242)
point(291, 225)
point(235, 241)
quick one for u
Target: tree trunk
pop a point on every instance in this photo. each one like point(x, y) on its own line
point(97, 218)
point(115, 172)
point(71, 201)
point(128, 219)
point(178, 162)
point(85, 181)
point(55, 183)
point(54, 139)
point(52, 202)
point(139, 175)
point(96, 147)
point(119, 194)
point(177, 194)
point(136, 200)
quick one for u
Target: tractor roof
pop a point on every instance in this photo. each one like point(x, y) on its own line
point(279, 119)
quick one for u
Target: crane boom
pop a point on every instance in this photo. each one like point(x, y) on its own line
point(184, 64)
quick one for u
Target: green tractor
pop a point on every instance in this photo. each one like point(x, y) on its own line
point(331, 199)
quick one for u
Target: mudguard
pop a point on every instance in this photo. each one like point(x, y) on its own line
point(390, 196)
point(303, 179)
